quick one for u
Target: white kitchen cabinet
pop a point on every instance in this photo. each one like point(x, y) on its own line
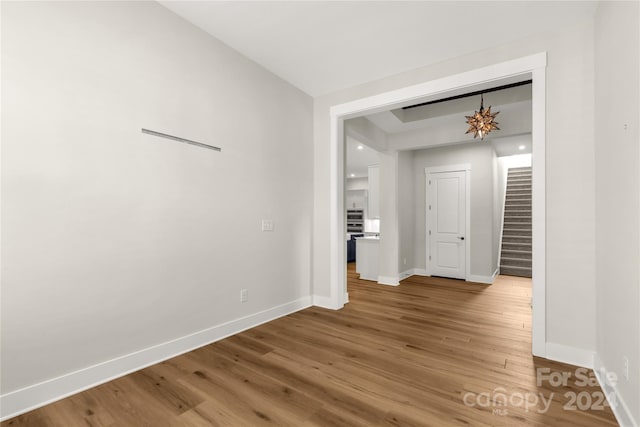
point(373, 211)
point(367, 254)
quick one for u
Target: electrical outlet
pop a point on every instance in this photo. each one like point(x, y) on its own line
point(625, 368)
point(404, 260)
point(244, 295)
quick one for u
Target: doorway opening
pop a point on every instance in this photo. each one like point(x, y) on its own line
point(362, 204)
point(531, 67)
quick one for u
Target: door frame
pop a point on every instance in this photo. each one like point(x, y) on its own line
point(533, 67)
point(466, 168)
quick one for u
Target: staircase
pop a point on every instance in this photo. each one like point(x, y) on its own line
point(515, 257)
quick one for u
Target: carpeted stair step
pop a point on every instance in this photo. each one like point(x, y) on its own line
point(523, 213)
point(522, 205)
point(519, 254)
point(516, 246)
point(514, 238)
point(519, 192)
point(515, 197)
point(517, 223)
point(518, 184)
point(520, 231)
point(515, 257)
point(519, 175)
point(515, 271)
point(515, 262)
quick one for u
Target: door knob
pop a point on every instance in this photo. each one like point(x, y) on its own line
point(461, 238)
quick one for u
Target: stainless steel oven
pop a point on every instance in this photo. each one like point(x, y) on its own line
point(355, 220)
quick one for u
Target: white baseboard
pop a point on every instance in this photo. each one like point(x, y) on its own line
point(472, 278)
point(34, 396)
point(616, 402)
point(326, 302)
point(571, 355)
point(388, 280)
point(369, 278)
point(413, 272)
point(483, 279)
point(346, 297)
point(406, 273)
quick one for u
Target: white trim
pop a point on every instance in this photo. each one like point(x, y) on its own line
point(618, 406)
point(483, 279)
point(34, 396)
point(504, 209)
point(489, 73)
point(466, 168)
point(388, 280)
point(369, 278)
point(538, 212)
point(407, 273)
point(326, 302)
point(462, 167)
point(571, 355)
point(422, 272)
point(533, 65)
point(337, 267)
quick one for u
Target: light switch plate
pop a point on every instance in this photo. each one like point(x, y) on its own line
point(267, 225)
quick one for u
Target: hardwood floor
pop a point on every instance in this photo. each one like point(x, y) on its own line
point(430, 352)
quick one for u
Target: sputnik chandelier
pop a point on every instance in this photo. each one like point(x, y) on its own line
point(482, 122)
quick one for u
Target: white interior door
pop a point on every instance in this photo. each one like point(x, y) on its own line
point(446, 224)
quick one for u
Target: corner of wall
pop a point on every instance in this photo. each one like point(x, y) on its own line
point(608, 382)
point(571, 355)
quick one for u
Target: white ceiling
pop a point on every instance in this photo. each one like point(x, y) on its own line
point(512, 145)
point(514, 105)
point(325, 46)
point(444, 123)
point(358, 161)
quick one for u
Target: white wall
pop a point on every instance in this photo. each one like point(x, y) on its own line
point(114, 241)
point(357, 184)
point(389, 233)
point(480, 157)
point(617, 162)
point(570, 216)
point(406, 212)
point(355, 195)
point(356, 199)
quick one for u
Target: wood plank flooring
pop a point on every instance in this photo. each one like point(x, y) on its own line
point(430, 352)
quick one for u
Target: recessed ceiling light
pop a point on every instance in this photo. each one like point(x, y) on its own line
point(522, 147)
point(352, 175)
point(360, 147)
